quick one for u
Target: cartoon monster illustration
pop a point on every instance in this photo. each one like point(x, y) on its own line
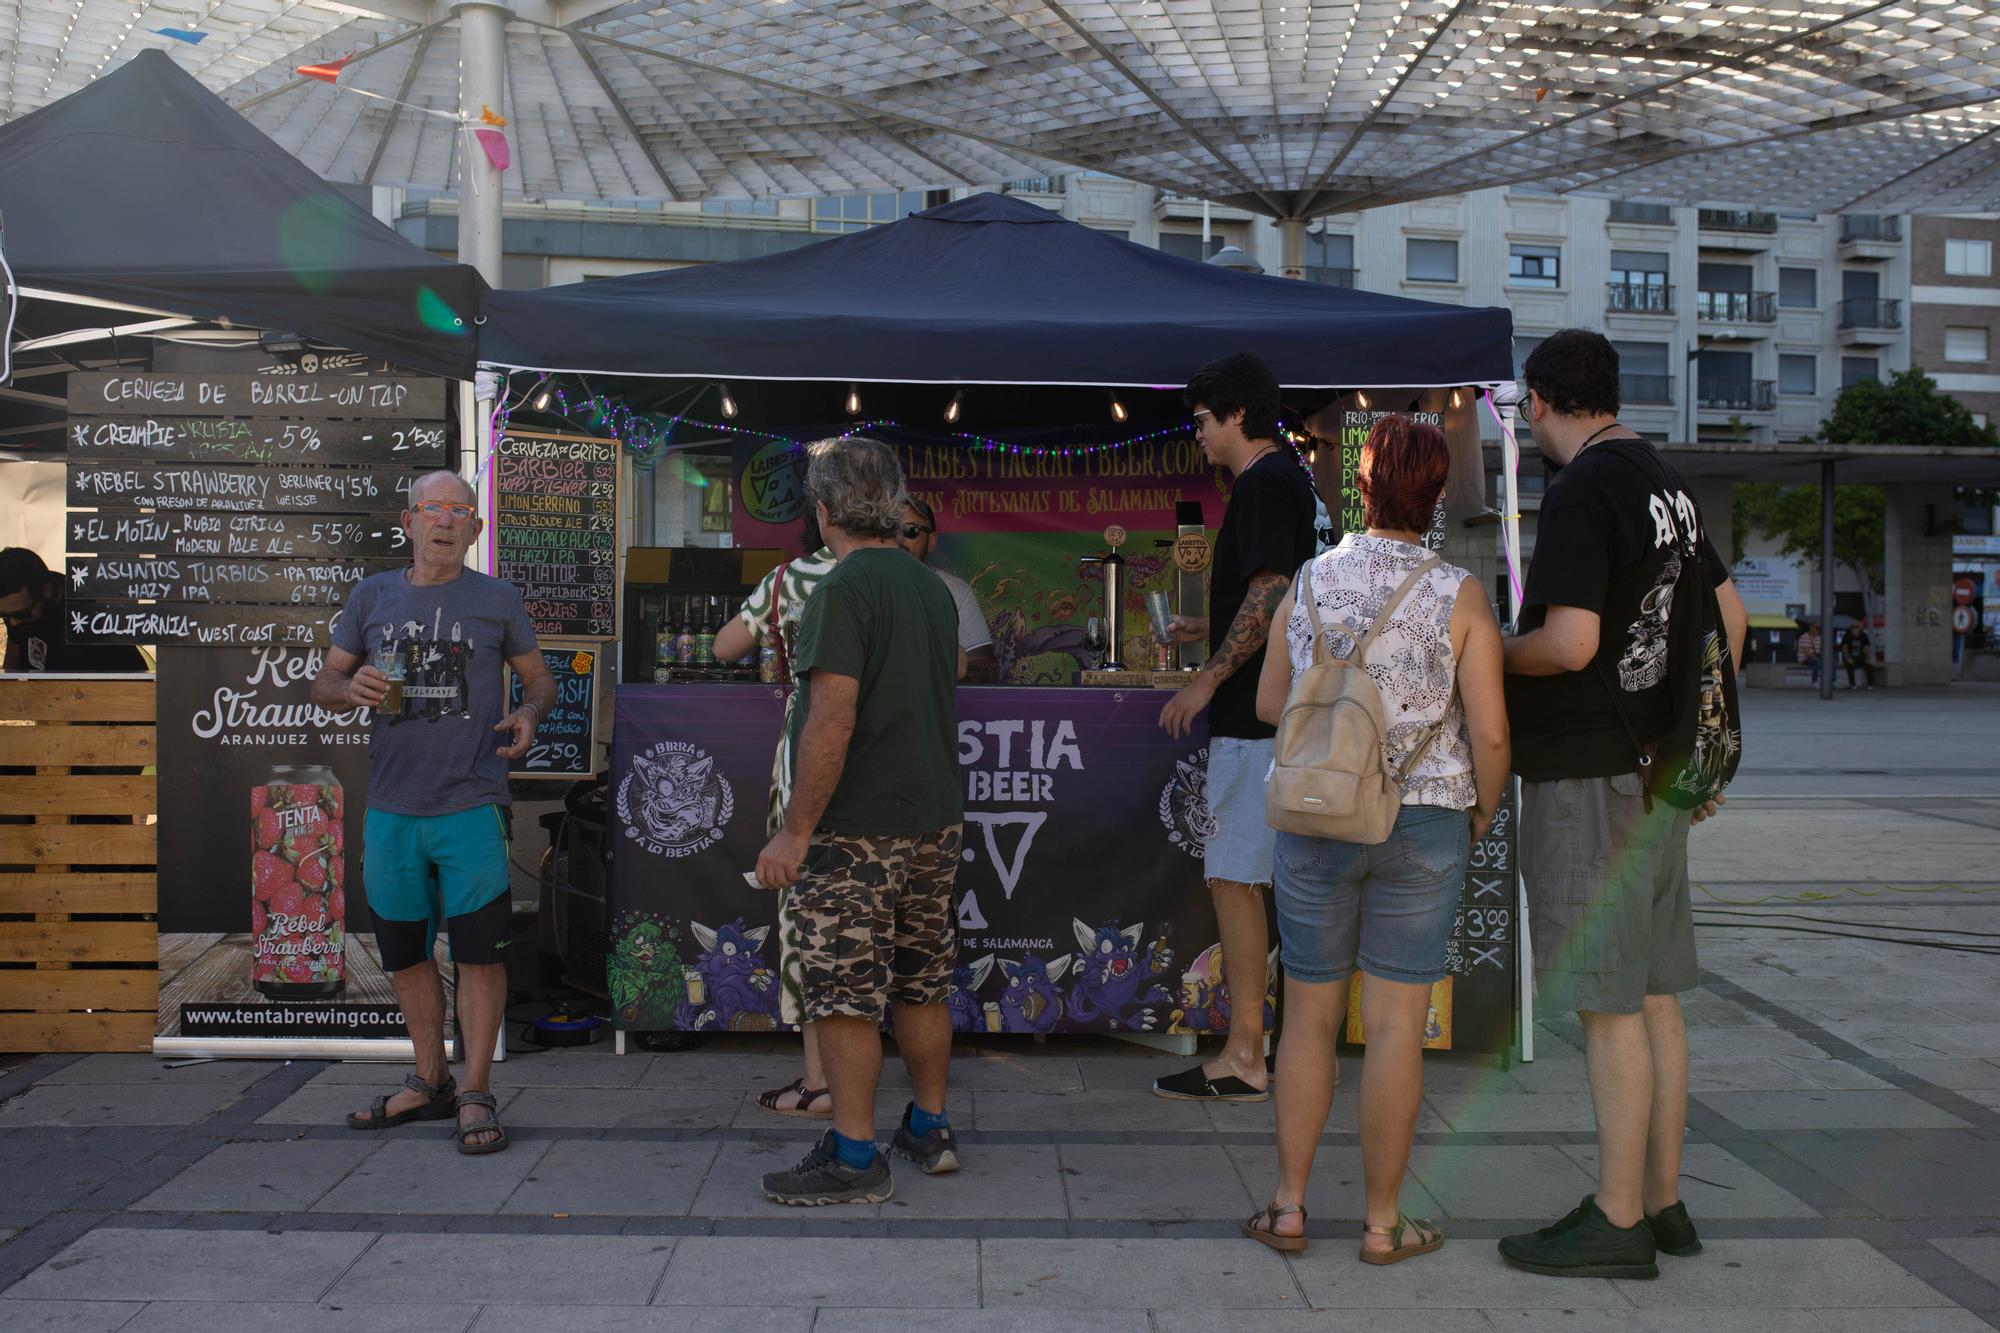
point(678, 795)
point(1204, 998)
point(644, 971)
point(1644, 664)
point(1184, 806)
point(1031, 1002)
point(1113, 984)
point(735, 990)
point(963, 1001)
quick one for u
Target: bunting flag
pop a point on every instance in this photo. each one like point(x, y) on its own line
point(495, 144)
point(183, 35)
point(488, 116)
point(327, 71)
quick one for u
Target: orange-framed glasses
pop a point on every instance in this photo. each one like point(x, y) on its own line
point(439, 508)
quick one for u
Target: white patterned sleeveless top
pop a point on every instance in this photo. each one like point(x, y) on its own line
point(1411, 661)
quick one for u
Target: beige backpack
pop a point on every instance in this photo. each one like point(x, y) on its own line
point(1330, 779)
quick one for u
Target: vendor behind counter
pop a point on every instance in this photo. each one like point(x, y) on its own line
point(31, 604)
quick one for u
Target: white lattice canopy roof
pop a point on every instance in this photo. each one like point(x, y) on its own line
point(1287, 107)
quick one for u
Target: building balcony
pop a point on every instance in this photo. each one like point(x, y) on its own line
point(1331, 277)
point(1738, 219)
point(1177, 204)
point(1736, 307)
point(1645, 389)
point(1652, 215)
point(1868, 236)
point(1869, 322)
point(1034, 185)
point(1736, 395)
point(1638, 298)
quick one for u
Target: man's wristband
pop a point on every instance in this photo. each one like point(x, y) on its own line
point(531, 708)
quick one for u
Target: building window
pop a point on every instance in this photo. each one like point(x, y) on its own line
point(1642, 373)
point(1968, 259)
point(740, 208)
point(1963, 344)
point(1187, 244)
point(1979, 420)
point(1798, 374)
point(1523, 346)
point(1528, 265)
point(1854, 369)
point(1122, 233)
point(858, 212)
point(1432, 261)
point(1639, 268)
point(1798, 288)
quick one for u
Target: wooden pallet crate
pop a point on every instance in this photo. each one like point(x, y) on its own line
point(79, 942)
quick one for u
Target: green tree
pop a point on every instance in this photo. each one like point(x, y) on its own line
point(1907, 410)
point(1791, 515)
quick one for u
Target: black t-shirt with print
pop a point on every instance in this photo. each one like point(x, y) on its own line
point(1602, 520)
point(1268, 527)
point(45, 647)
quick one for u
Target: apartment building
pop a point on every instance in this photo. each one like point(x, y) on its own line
point(1955, 308)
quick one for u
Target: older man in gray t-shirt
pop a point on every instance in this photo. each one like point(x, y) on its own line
point(422, 646)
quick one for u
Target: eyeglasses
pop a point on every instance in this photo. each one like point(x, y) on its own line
point(1201, 412)
point(439, 508)
point(912, 531)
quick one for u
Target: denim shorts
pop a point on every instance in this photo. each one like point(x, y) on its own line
point(1387, 908)
point(1239, 847)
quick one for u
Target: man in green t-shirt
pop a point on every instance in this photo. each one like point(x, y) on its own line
point(869, 846)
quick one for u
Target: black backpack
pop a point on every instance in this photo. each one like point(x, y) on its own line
point(1696, 758)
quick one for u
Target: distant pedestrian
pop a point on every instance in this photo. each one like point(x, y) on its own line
point(1857, 653)
point(1808, 649)
point(869, 847)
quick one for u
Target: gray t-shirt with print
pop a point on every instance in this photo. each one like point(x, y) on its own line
point(436, 755)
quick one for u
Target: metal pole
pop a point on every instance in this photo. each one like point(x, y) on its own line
point(1510, 462)
point(1826, 654)
point(482, 79)
point(1292, 247)
point(1687, 387)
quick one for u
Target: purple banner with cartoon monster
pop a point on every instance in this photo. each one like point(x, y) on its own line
point(1081, 906)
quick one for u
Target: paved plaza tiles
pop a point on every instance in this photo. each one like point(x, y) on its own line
point(1843, 1155)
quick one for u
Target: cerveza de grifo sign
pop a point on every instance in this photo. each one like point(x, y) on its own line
point(226, 510)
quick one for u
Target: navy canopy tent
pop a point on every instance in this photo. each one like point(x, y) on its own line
point(145, 189)
point(987, 290)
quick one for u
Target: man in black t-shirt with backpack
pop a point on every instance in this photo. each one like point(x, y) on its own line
point(1622, 709)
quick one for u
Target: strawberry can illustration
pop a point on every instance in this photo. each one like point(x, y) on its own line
point(298, 873)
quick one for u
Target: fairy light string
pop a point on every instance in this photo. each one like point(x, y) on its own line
point(649, 437)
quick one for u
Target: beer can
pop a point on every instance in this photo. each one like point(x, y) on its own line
point(298, 874)
point(767, 664)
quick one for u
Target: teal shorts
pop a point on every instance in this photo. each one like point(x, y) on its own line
point(424, 871)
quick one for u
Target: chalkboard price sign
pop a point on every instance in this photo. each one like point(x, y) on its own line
point(292, 536)
point(169, 578)
point(165, 394)
point(232, 440)
point(565, 741)
point(212, 626)
point(1484, 948)
point(227, 489)
point(555, 510)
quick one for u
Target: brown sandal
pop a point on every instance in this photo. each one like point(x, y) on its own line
point(1428, 1238)
point(1267, 1234)
point(807, 1096)
point(442, 1105)
point(467, 1143)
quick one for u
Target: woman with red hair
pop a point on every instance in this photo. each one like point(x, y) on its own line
point(1385, 909)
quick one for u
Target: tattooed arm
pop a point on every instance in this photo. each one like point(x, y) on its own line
point(1247, 633)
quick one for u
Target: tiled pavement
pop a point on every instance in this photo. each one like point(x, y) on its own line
point(1843, 1162)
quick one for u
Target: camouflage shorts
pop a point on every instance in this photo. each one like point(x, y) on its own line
point(876, 922)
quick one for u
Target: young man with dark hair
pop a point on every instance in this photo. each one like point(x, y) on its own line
point(1267, 534)
point(979, 663)
point(31, 602)
point(1606, 866)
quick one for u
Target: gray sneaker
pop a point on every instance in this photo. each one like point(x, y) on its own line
point(936, 1152)
point(822, 1178)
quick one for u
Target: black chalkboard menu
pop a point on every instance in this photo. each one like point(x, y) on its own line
point(565, 740)
point(1484, 950)
point(555, 530)
point(1354, 427)
point(231, 509)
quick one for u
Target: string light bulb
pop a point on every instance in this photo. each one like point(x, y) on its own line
point(1362, 399)
point(1457, 398)
point(952, 409)
point(729, 408)
point(1118, 412)
point(542, 398)
point(854, 400)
